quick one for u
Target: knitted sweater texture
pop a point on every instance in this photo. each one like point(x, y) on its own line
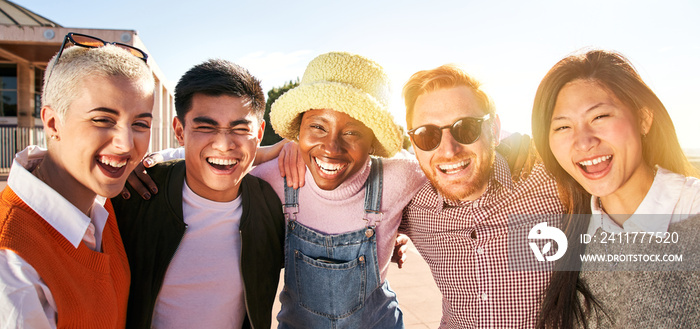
point(664, 295)
point(341, 210)
point(90, 288)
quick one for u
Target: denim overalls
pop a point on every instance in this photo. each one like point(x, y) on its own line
point(332, 280)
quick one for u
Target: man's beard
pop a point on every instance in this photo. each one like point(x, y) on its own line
point(465, 188)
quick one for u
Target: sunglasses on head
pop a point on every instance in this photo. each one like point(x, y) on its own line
point(87, 41)
point(465, 131)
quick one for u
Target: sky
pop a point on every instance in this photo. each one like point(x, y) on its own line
point(508, 45)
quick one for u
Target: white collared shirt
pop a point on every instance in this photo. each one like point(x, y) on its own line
point(671, 194)
point(24, 298)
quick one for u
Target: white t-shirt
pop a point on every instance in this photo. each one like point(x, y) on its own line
point(203, 287)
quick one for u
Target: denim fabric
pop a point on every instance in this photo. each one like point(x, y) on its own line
point(333, 281)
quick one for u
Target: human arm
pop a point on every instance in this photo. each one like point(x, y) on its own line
point(269, 152)
point(520, 153)
point(139, 179)
point(146, 187)
point(292, 165)
point(400, 249)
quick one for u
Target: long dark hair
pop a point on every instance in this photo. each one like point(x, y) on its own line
point(562, 307)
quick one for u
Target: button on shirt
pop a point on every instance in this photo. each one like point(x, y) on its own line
point(25, 298)
point(466, 245)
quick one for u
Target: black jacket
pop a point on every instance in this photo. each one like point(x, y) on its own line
point(152, 230)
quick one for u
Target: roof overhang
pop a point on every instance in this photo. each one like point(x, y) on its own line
point(35, 45)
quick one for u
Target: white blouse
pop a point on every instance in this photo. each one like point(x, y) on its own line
point(671, 198)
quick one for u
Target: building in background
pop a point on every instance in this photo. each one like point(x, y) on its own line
point(27, 43)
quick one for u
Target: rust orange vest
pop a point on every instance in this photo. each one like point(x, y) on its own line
point(90, 288)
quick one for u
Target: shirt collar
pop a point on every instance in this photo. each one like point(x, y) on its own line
point(62, 215)
point(660, 201)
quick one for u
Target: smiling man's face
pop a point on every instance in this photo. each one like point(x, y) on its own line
point(221, 135)
point(457, 171)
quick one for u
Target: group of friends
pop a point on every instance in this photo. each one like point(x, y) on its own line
point(204, 244)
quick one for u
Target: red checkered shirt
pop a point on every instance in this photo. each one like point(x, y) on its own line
point(466, 246)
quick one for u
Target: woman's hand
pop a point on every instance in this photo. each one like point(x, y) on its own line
point(400, 249)
point(139, 179)
point(292, 165)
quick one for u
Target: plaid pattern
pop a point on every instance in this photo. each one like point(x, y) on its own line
point(466, 246)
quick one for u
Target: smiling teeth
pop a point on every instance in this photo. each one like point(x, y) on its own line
point(112, 162)
point(450, 168)
point(595, 161)
point(329, 168)
point(222, 162)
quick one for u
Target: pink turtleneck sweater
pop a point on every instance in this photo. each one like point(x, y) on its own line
point(341, 210)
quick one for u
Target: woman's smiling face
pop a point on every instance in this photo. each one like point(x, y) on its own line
point(596, 138)
point(105, 133)
point(334, 146)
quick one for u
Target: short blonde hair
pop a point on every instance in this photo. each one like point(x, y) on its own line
point(62, 81)
point(445, 76)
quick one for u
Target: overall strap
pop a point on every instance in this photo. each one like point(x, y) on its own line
point(373, 193)
point(291, 202)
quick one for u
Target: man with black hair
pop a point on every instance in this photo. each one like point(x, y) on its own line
point(208, 249)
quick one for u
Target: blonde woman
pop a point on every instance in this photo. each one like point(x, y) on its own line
point(62, 262)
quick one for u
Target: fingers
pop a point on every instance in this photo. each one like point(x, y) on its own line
point(280, 163)
point(402, 244)
point(403, 254)
point(139, 187)
point(301, 169)
point(146, 180)
point(290, 169)
point(400, 250)
point(291, 165)
point(402, 239)
point(152, 159)
point(125, 193)
point(139, 179)
point(399, 255)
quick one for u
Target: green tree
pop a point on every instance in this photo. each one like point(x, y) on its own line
point(270, 136)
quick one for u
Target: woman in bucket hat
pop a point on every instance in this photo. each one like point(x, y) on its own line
point(342, 225)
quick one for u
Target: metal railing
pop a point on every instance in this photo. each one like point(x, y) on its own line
point(15, 139)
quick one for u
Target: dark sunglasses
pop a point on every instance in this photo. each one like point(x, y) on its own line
point(87, 41)
point(465, 131)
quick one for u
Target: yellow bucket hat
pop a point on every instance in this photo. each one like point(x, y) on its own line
point(347, 83)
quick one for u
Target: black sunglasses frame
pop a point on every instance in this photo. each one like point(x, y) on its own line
point(478, 121)
point(69, 37)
